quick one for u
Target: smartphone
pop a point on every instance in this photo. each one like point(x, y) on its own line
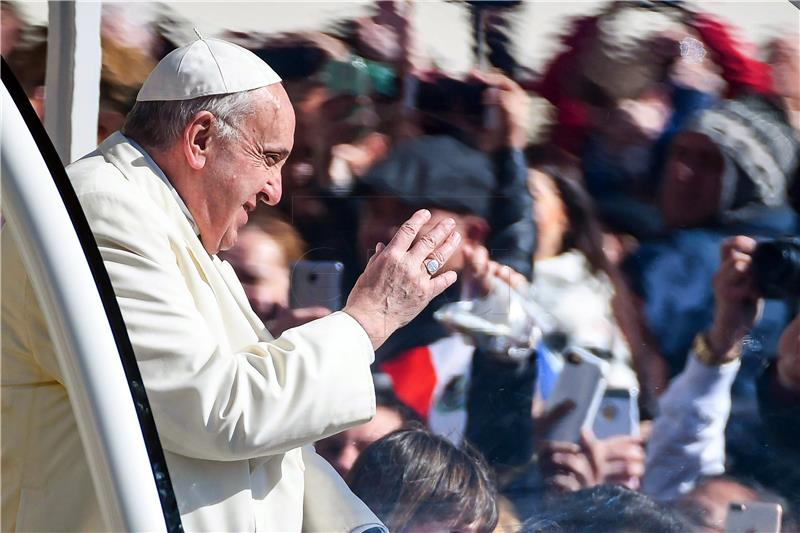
point(618, 414)
point(753, 517)
point(316, 283)
point(582, 380)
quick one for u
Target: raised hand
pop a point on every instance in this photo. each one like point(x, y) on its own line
point(396, 285)
point(736, 299)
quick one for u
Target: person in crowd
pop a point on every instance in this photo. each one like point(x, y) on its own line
point(205, 143)
point(342, 450)
point(11, 28)
point(573, 285)
point(27, 61)
point(686, 457)
point(489, 113)
point(574, 281)
point(446, 173)
point(690, 428)
point(727, 174)
point(604, 508)
point(123, 70)
point(628, 80)
point(417, 481)
point(262, 259)
point(428, 363)
point(502, 424)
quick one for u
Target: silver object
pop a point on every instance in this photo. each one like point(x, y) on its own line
point(505, 322)
point(432, 266)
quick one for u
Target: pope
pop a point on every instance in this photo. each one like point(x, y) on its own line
point(236, 409)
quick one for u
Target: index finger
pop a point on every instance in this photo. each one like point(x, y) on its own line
point(740, 243)
point(408, 231)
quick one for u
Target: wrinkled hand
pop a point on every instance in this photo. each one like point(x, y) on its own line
point(736, 299)
point(480, 271)
point(395, 285)
point(287, 318)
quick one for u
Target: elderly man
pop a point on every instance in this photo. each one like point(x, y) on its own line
point(235, 409)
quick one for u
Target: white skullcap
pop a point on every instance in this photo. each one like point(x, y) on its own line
point(203, 68)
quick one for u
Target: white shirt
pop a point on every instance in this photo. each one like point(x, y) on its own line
point(688, 439)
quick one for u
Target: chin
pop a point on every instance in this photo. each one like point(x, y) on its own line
point(228, 242)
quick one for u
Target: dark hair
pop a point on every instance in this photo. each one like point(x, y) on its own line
point(584, 233)
point(606, 508)
point(411, 477)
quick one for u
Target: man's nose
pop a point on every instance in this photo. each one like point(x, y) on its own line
point(271, 192)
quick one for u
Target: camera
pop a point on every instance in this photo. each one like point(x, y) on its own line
point(776, 267)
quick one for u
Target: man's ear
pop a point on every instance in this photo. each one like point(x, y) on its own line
point(196, 138)
point(476, 229)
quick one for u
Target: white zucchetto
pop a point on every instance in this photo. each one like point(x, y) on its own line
point(203, 68)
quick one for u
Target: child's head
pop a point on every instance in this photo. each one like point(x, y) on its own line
point(417, 481)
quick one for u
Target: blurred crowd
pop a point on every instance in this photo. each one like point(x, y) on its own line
point(653, 223)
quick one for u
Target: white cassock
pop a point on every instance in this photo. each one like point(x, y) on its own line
point(236, 410)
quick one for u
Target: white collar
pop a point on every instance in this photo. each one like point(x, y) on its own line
point(160, 173)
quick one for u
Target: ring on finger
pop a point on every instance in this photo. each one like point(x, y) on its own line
point(432, 266)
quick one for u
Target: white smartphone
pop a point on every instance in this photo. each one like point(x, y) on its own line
point(618, 414)
point(317, 283)
point(582, 381)
point(753, 517)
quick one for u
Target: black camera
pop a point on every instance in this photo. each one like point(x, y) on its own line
point(776, 267)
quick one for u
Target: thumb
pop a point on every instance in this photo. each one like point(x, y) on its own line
point(592, 448)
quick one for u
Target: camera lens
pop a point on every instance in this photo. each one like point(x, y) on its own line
point(776, 267)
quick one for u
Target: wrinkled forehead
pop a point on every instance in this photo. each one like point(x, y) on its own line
point(273, 119)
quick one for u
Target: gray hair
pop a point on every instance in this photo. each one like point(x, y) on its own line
point(158, 124)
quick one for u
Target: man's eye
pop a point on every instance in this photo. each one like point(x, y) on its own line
point(271, 159)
